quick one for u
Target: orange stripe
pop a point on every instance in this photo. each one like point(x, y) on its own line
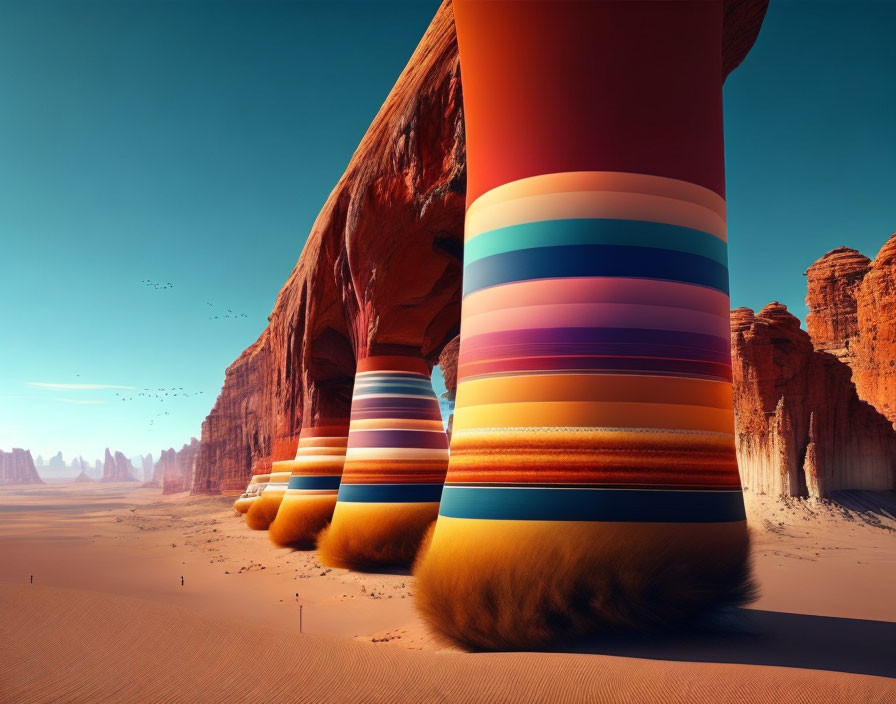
point(594, 388)
point(593, 415)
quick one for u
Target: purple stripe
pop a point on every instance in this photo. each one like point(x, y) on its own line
point(389, 415)
point(424, 439)
point(401, 404)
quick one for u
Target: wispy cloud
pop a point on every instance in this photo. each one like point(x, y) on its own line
point(78, 402)
point(75, 387)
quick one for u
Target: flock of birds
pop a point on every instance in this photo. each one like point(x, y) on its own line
point(169, 394)
point(158, 285)
point(160, 394)
point(228, 314)
point(214, 314)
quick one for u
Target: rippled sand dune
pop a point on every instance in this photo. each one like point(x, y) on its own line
point(107, 619)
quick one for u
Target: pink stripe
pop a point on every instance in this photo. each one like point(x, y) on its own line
point(597, 289)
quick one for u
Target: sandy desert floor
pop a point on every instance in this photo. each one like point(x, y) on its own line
point(107, 620)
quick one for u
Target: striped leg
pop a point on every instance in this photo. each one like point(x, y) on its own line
point(310, 496)
point(593, 482)
point(394, 466)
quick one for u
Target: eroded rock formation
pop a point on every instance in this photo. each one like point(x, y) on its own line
point(801, 428)
point(117, 468)
point(174, 471)
point(17, 467)
point(852, 314)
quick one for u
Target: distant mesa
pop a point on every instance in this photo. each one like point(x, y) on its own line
point(174, 471)
point(17, 467)
point(84, 477)
point(118, 468)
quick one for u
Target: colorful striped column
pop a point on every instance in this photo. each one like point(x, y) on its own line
point(593, 484)
point(394, 466)
point(256, 484)
point(310, 496)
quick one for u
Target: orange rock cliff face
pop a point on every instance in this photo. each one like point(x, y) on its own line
point(852, 314)
point(801, 428)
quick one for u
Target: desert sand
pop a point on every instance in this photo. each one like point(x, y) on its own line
point(106, 618)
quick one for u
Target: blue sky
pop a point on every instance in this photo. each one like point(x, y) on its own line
point(194, 143)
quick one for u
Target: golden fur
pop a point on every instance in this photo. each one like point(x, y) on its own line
point(365, 536)
point(242, 505)
point(264, 510)
point(299, 520)
point(508, 585)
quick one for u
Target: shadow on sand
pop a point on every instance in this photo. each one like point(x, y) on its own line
point(755, 637)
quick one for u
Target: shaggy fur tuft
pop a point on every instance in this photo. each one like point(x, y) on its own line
point(299, 520)
point(511, 585)
point(263, 510)
point(369, 536)
point(242, 505)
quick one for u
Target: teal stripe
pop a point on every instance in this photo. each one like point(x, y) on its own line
point(632, 233)
point(536, 503)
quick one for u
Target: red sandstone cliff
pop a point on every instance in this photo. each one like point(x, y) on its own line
point(380, 271)
point(801, 428)
point(174, 470)
point(852, 314)
point(17, 467)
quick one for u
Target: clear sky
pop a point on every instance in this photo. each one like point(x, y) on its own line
point(194, 143)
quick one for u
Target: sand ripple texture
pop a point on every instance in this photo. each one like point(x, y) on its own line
point(61, 645)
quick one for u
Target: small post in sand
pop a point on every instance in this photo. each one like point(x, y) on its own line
point(32, 579)
point(181, 580)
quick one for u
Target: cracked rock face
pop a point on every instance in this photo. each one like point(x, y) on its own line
point(802, 429)
point(852, 315)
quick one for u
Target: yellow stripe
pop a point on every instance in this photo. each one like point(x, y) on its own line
point(543, 414)
point(594, 388)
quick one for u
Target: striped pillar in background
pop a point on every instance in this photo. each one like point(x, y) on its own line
point(394, 467)
point(310, 496)
point(253, 490)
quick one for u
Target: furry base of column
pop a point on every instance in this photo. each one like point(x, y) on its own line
point(512, 585)
point(364, 536)
point(264, 510)
point(242, 505)
point(300, 519)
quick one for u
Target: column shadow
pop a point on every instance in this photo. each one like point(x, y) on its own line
point(756, 637)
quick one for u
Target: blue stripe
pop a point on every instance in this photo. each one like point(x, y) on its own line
point(390, 493)
point(592, 504)
point(594, 260)
point(572, 231)
point(314, 483)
